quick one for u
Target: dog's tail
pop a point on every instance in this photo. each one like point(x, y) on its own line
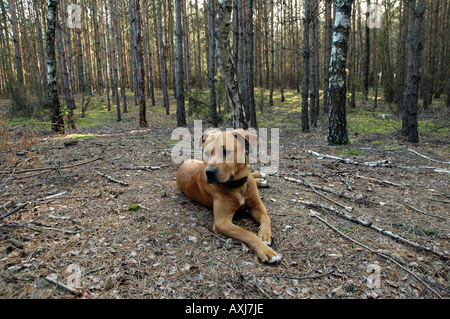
point(260, 179)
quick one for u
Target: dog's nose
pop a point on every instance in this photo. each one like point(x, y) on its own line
point(211, 175)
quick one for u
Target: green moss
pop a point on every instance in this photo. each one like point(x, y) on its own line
point(349, 151)
point(377, 142)
point(134, 207)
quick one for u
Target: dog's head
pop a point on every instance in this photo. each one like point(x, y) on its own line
point(224, 154)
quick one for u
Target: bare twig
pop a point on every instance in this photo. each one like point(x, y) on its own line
point(428, 158)
point(112, 179)
point(378, 180)
point(52, 168)
point(317, 216)
point(60, 284)
point(19, 207)
point(425, 213)
point(313, 187)
point(367, 224)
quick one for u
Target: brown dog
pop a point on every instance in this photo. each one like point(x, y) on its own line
point(223, 181)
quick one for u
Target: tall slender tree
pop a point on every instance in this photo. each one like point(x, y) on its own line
point(163, 65)
point(306, 56)
point(181, 116)
point(57, 122)
point(337, 120)
point(415, 48)
point(16, 40)
point(212, 65)
point(228, 71)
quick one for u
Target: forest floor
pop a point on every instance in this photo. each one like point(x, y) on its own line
point(145, 239)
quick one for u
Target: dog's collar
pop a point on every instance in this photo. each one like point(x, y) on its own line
point(235, 183)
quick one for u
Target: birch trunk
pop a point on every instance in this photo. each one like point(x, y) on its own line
point(57, 121)
point(337, 121)
point(222, 32)
point(16, 40)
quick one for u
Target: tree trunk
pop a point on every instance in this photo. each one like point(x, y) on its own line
point(337, 121)
point(162, 60)
point(353, 74)
point(181, 115)
point(16, 40)
point(428, 98)
point(366, 63)
point(105, 51)
point(212, 67)
point(56, 119)
point(120, 55)
point(306, 55)
point(250, 88)
point(314, 64)
point(114, 64)
point(137, 42)
point(281, 22)
point(328, 39)
point(222, 32)
point(375, 67)
point(272, 53)
point(65, 74)
point(97, 48)
point(415, 47)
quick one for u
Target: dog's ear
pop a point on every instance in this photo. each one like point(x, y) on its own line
point(249, 137)
point(205, 136)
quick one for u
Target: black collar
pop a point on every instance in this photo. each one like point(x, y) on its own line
point(235, 184)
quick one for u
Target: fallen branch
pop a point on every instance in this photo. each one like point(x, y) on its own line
point(19, 207)
point(428, 158)
point(350, 161)
point(425, 213)
point(51, 168)
point(145, 168)
point(382, 163)
point(326, 189)
point(316, 215)
point(367, 224)
point(112, 179)
point(379, 180)
point(60, 284)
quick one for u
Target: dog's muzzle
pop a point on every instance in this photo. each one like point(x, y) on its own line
point(211, 176)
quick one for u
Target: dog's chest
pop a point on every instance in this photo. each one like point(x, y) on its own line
point(242, 202)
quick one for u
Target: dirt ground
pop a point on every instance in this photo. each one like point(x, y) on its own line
point(81, 229)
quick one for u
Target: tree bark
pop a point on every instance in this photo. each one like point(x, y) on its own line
point(272, 53)
point(65, 74)
point(162, 60)
point(415, 47)
point(181, 115)
point(57, 122)
point(114, 64)
point(366, 63)
point(337, 121)
point(306, 56)
point(328, 39)
point(97, 48)
point(16, 40)
point(120, 55)
point(212, 66)
point(139, 62)
point(250, 85)
point(222, 32)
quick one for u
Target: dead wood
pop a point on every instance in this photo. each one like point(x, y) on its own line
point(316, 215)
point(379, 180)
point(112, 179)
point(367, 224)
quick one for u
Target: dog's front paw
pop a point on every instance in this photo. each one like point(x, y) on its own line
point(269, 256)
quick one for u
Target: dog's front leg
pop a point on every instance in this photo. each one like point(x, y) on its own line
point(223, 215)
